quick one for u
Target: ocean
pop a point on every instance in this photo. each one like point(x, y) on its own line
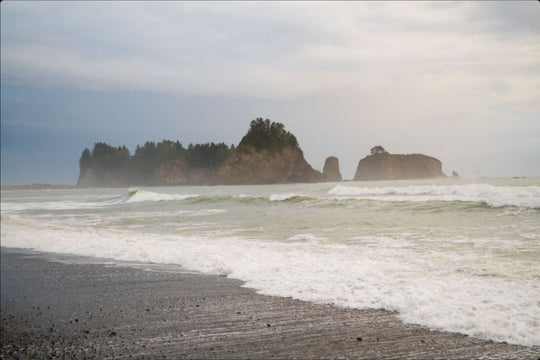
point(453, 254)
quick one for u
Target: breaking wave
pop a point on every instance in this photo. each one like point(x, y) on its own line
point(370, 272)
point(494, 196)
point(141, 196)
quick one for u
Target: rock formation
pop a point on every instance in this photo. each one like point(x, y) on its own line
point(170, 173)
point(331, 169)
point(398, 166)
point(164, 163)
point(267, 154)
point(249, 165)
point(178, 173)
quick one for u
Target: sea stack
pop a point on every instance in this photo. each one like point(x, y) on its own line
point(384, 166)
point(248, 165)
point(267, 154)
point(331, 169)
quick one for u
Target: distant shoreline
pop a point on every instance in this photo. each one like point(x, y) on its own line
point(36, 187)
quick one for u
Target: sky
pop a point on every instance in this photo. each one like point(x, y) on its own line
point(459, 81)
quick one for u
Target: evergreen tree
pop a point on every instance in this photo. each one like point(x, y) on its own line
point(85, 160)
point(378, 150)
point(267, 135)
point(109, 162)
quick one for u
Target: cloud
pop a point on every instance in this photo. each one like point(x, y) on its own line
point(453, 79)
point(249, 49)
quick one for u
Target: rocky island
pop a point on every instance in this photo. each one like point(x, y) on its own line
point(331, 169)
point(381, 165)
point(267, 154)
point(164, 163)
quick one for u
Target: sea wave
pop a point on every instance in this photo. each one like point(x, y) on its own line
point(493, 196)
point(142, 196)
point(87, 202)
point(289, 197)
point(367, 273)
point(306, 237)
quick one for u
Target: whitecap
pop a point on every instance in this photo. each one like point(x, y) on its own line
point(493, 196)
point(282, 197)
point(142, 196)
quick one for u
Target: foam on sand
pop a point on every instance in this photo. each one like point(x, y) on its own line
point(439, 290)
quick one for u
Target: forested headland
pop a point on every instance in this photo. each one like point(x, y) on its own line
point(109, 165)
point(170, 163)
point(266, 154)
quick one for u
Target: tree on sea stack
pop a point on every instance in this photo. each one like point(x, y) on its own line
point(268, 135)
point(267, 154)
point(378, 150)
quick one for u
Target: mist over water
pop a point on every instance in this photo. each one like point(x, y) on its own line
point(451, 254)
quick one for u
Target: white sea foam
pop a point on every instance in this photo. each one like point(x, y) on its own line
point(369, 272)
point(64, 204)
point(141, 196)
point(495, 196)
point(460, 268)
point(91, 202)
point(207, 212)
point(282, 197)
point(308, 237)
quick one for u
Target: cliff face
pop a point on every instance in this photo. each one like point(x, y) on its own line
point(397, 166)
point(178, 173)
point(331, 169)
point(248, 165)
point(171, 173)
point(163, 163)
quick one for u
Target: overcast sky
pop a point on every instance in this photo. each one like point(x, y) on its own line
point(456, 80)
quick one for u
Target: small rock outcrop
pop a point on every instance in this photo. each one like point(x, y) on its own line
point(455, 174)
point(249, 165)
point(331, 169)
point(398, 166)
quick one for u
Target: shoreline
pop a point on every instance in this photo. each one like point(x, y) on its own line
point(59, 309)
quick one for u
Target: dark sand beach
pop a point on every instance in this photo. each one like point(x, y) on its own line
point(54, 309)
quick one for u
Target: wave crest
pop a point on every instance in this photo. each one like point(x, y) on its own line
point(493, 196)
point(142, 196)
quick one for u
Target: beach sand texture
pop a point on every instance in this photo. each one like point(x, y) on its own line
point(54, 309)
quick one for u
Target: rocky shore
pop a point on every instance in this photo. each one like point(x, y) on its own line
point(64, 310)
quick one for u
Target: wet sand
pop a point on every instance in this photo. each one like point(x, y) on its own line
point(56, 309)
